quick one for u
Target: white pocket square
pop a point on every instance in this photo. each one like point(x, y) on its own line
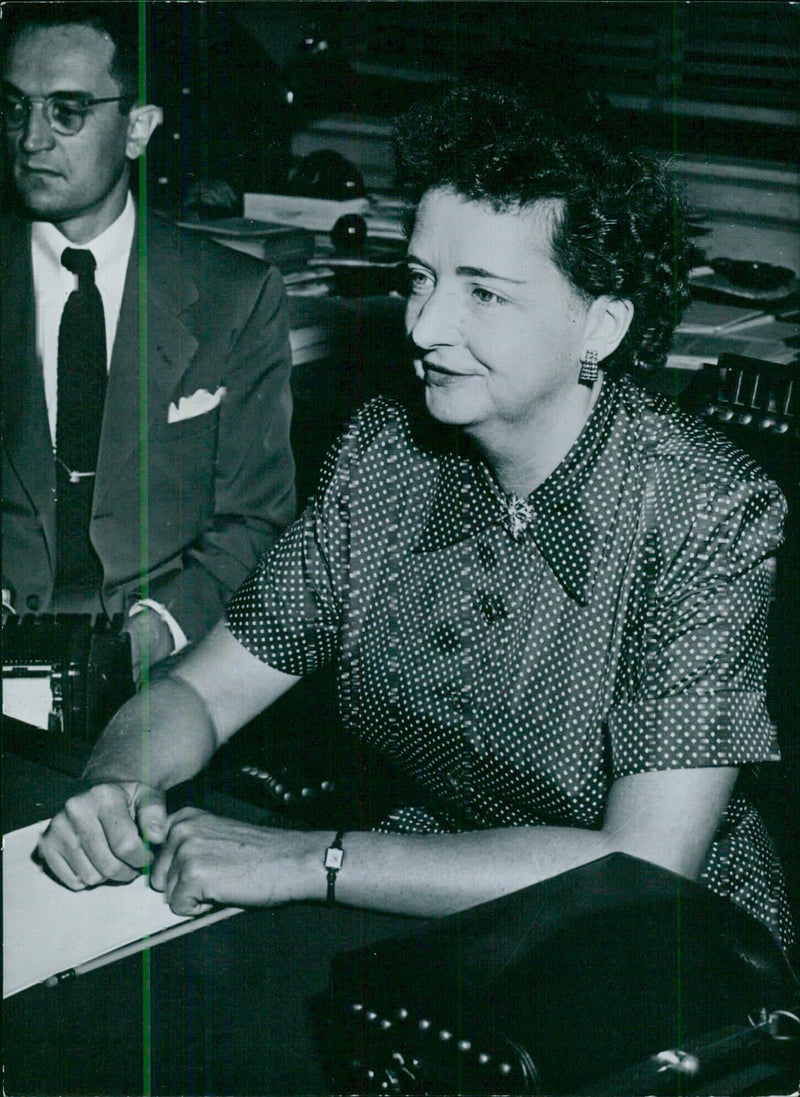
point(199, 403)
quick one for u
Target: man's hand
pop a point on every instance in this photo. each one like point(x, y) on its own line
point(99, 834)
point(207, 859)
point(151, 641)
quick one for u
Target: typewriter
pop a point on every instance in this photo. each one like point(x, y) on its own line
point(87, 665)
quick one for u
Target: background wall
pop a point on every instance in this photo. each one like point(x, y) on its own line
point(712, 76)
point(702, 82)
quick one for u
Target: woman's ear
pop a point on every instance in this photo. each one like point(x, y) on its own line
point(607, 323)
point(141, 123)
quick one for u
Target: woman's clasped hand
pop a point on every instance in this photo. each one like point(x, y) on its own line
point(198, 860)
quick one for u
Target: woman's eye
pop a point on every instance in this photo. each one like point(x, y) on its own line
point(417, 281)
point(486, 296)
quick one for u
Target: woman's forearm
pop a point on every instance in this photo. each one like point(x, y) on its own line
point(435, 875)
point(162, 736)
point(668, 818)
point(169, 731)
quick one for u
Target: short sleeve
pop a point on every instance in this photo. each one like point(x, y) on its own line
point(288, 612)
point(698, 691)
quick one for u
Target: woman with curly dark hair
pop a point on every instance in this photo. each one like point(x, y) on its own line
point(545, 594)
point(618, 221)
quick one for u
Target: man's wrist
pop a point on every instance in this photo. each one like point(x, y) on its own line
point(179, 639)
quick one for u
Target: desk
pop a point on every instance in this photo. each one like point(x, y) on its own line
point(220, 1011)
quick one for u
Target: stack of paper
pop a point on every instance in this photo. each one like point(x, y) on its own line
point(49, 930)
point(705, 317)
point(310, 344)
point(316, 214)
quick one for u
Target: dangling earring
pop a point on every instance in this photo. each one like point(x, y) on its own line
point(588, 374)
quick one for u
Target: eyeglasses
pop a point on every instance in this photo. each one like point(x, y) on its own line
point(65, 114)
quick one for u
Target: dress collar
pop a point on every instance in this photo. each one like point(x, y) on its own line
point(565, 517)
point(111, 246)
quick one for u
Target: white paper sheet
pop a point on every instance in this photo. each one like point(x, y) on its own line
point(29, 699)
point(48, 929)
point(318, 214)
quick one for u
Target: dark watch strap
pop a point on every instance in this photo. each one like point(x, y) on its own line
point(334, 855)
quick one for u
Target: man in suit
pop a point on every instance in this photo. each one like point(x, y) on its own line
point(194, 474)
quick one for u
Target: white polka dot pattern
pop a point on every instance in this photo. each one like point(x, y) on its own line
point(516, 677)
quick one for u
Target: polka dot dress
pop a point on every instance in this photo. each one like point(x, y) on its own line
point(515, 657)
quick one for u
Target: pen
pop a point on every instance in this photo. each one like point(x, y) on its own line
point(139, 946)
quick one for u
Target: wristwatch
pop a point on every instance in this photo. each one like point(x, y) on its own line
point(332, 862)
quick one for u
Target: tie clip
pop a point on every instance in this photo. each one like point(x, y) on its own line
point(75, 477)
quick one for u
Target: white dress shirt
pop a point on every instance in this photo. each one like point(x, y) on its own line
point(52, 285)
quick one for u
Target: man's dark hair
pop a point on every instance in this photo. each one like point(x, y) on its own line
point(619, 220)
point(119, 21)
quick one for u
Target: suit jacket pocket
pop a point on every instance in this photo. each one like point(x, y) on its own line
point(176, 433)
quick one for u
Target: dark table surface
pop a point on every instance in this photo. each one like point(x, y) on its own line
point(224, 1010)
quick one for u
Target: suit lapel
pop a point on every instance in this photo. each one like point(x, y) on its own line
point(26, 431)
point(141, 386)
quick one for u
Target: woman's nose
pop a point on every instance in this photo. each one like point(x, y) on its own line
point(434, 321)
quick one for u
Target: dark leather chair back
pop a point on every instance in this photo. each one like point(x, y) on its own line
point(561, 986)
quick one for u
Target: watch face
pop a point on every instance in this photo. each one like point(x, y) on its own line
point(333, 857)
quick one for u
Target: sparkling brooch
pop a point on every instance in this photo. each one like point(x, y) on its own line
point(518, 513)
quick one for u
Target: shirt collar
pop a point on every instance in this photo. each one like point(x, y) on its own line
point(111, 246)
point(570, 521)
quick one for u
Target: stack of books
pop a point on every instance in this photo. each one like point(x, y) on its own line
point(709, 329)
point(288, 247)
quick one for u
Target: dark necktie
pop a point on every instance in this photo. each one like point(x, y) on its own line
point(82, 377)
